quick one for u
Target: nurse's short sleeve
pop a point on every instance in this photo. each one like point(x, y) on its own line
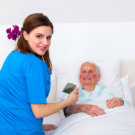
point(37, 78)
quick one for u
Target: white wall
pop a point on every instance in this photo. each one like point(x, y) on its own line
point(92, 28)
point(77, 41)
point(68, 11)
point(93, 41)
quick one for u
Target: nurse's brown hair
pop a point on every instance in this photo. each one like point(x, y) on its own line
point(31, 22)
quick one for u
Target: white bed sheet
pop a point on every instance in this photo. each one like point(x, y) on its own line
point(53, 119)
point(116, 121)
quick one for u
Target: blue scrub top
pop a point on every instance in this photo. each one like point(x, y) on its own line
point(24, 80)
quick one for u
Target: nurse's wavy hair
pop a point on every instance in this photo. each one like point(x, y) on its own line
point(31, 22)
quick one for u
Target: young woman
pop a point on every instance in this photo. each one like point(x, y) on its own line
point(25, 81)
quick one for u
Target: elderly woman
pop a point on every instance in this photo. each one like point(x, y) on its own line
point(93, 98)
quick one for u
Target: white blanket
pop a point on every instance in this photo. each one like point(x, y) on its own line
point(116, 121)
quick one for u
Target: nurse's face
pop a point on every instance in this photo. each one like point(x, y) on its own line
point(88, 74)
point(39, 39)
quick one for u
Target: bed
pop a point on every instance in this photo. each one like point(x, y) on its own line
point(117, 121)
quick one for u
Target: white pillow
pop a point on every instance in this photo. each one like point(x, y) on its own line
point(127, 89)
point(69, 72)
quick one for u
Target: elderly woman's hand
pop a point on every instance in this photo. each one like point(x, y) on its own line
point(92, 110)
point(48, 127)
point(114, 102)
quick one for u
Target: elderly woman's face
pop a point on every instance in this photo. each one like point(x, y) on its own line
point(88, 74)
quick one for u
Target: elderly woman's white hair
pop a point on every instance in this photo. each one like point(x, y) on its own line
point(97, 68)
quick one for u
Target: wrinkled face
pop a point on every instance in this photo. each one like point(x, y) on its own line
point(39, 39)
point(88, 74)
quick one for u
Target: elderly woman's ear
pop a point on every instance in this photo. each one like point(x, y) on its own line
point(98, 77)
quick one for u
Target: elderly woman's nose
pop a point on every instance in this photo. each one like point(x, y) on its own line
point(87, 73)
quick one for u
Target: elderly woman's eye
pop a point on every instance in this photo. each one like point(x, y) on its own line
point(83, 72)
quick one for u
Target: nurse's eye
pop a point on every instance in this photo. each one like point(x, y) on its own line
point(39, 36)
point(49, 37)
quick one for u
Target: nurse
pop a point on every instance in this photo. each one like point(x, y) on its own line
point(25, 81)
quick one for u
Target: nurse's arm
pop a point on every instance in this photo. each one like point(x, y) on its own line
point(43, 110)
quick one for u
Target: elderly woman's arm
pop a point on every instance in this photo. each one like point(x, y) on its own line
point(92, 110)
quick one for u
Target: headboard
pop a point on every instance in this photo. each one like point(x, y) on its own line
point(128, 67)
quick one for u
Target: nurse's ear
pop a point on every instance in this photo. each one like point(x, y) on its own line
point(25, 35)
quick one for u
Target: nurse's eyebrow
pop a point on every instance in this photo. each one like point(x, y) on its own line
point(49, 36)
point(43, 34)
point(39, 34)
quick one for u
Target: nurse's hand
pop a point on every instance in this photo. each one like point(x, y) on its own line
point(73, 96)
point(48, 127)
